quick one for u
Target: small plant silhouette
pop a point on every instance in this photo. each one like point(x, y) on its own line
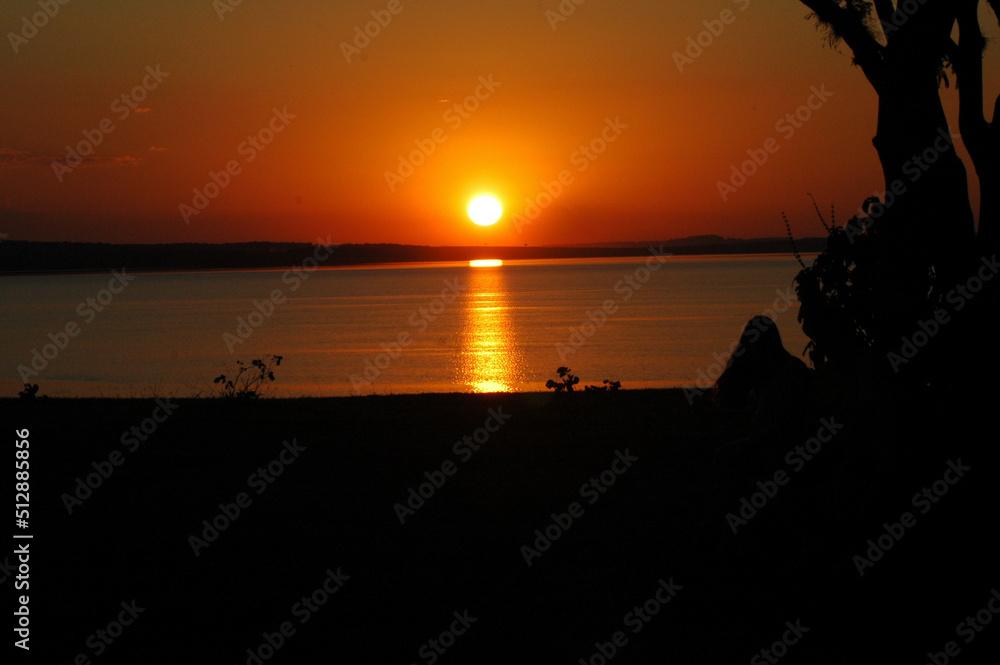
point(609, 386)
point(568, 380)
point(250, 380)
point(30, 391)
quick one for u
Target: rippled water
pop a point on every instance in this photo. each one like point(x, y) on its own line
point(394, 329)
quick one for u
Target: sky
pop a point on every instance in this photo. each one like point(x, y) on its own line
point(281, 121)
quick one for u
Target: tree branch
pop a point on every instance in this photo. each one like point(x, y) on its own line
point(848, 24)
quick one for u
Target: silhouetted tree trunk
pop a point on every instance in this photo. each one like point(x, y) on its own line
point(860, 300)
point(902, 49)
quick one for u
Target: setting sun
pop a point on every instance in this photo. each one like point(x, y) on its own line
point(485, 210)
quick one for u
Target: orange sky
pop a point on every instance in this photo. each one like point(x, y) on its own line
point(324, 172)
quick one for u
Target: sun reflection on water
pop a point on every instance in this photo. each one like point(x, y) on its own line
point(491, 361)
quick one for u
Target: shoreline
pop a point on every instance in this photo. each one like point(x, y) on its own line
point(369, 266)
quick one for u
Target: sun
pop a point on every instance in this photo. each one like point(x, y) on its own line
point(485, 210)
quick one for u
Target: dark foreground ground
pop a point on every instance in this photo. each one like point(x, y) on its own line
point(663, 519)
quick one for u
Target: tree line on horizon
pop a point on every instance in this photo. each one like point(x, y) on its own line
point(31, 256)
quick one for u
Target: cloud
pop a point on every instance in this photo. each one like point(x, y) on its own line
point(124, 160)
point(12, 159)
point(142, 109)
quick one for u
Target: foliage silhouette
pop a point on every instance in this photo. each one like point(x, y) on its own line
point(858, 315)
point(609, 386)
point(249, 381)
point(568, 380)
point(30, 391)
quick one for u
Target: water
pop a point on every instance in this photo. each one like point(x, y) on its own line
point(393, 329)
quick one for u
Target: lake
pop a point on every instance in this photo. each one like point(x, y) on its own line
point(405, 328)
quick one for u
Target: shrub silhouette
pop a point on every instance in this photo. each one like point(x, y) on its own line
point(249, 381)
point(861, 295)
point(30, 391)
point(568, 380)
point(609, 386)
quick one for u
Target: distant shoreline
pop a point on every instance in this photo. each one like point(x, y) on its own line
point(41, 258)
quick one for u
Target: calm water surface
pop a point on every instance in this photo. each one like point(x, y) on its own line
point(388, 329)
